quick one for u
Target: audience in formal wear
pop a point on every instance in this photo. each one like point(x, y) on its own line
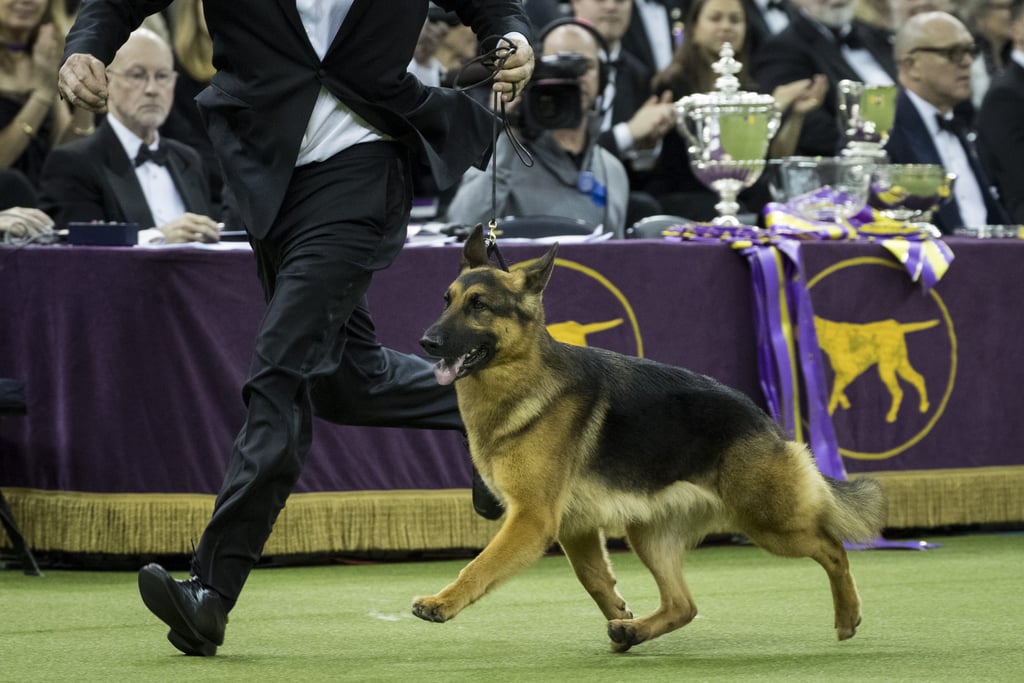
point(824, 38)
point(126, 171)
point(766, 18)
point(656, 30)
point(570, 176)
point(633, 120)
point(989, 23)
point(33, 119)
point(714, 22)
point(425, 64)
point(934, 51)
point(1001, 123)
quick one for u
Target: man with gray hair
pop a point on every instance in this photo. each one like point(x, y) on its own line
point(933, 52)
point(126, 171)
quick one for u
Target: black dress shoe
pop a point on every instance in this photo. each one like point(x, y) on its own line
point(195, 613)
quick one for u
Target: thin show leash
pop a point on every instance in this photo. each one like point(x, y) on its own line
point(494, 61)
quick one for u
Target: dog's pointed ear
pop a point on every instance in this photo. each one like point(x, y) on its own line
point(539, 272)
point(474, 254)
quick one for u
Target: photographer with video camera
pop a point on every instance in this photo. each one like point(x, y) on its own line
point(557, 123)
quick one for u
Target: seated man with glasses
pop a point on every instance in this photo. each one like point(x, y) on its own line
point(934, 52)
point(126, 172)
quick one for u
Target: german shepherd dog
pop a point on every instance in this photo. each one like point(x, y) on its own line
point(580, 443)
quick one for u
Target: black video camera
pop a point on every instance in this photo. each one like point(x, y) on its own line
point(552, 98)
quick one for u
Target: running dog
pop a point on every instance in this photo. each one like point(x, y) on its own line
point(580, 443)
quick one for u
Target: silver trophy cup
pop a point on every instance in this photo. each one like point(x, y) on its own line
point(866, 117)
point(910, 193)
point(728, 131)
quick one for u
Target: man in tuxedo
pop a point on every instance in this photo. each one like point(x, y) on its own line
point(824, 38)
point(313, 116)
point(934, 51)
point(126, 172)
point(1001, 123)
point(633, 120)
point(655, 31)
point(766, 18)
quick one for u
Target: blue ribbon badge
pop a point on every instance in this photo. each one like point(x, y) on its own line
point(587, 183)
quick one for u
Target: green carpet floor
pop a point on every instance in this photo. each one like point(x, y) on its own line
point(955, 613)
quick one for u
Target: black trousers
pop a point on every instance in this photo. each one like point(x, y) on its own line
point(316, 350)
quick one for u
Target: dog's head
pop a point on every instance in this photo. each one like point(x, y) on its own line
point(489, 314)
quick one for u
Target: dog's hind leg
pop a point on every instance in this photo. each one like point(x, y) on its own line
point(782, 503)
point(661, 550)
point(589, 559)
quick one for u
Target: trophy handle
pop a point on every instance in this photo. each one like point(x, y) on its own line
point(683, 108)
point(774, 122)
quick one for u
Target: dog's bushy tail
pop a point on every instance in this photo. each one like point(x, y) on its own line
point(860, 510)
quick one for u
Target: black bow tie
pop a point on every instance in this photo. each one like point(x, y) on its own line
point(775, 5)
point(846, 36)
point(157, 156)
point(951, 125)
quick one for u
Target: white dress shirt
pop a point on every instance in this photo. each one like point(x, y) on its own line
point(968, 192)
point(657, 24)
point(165, 203)
point(775, 17)
point(332, 126)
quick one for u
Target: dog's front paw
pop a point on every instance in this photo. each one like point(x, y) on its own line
point(624, 634)
point(429, 608)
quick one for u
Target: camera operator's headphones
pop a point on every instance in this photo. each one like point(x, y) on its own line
point(604, 54)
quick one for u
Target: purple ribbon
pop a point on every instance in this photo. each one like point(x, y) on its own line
point(782, 305)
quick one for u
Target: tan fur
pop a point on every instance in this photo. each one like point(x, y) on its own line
point(519, 415)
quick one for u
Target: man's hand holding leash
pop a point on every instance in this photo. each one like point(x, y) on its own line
point(515, 66)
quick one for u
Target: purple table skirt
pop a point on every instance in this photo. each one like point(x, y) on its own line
point(133, 359)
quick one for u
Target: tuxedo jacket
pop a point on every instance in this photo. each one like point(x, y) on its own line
point(911, 143)
point(757, 28)
point(93, 179)
point(632, 88)
point(268, 77)
point(1000, 123)
point(801, 51)
point(635, 40)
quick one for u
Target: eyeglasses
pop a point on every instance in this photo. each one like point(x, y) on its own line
point(954, 53)
point(138, 78)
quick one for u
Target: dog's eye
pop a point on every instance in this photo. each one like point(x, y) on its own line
point(447, 300)
point(477, 303)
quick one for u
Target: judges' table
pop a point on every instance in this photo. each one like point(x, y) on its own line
point(133, 361)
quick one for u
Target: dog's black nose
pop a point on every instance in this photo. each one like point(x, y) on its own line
point(431, 343)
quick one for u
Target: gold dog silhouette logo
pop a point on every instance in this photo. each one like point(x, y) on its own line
point(853, 349)
point(889, 352)
point(590, 295)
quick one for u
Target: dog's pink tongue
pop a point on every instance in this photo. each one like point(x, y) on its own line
point(445, 374)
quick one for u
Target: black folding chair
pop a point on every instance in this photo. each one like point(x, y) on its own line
point(12, 402)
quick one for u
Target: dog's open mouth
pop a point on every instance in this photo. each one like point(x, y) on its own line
point(447, 370)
